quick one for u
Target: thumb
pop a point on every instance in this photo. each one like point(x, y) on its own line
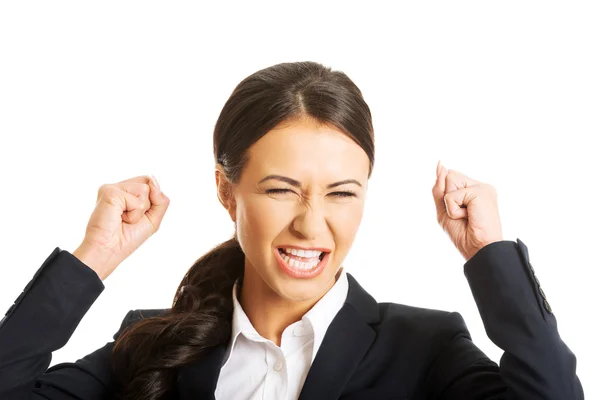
point(159, 202)
point(438, 191)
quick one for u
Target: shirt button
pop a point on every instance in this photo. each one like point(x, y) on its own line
point(278, 366)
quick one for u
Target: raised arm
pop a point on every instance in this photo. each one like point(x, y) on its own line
point(46, 314)
point(41, 321)
point(536, 364)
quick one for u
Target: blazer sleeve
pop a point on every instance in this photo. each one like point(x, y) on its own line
point(536, 364)
point(41, 321)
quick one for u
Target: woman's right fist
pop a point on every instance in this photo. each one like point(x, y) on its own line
point(126, 215)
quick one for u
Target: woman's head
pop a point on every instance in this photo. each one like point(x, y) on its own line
point(294, 150)
point(309, 131)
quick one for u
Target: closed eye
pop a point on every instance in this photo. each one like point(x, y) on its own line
point(344, 194)
point(278, 191)
point(336, 194)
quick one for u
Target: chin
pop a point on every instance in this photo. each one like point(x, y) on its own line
point(302, 290)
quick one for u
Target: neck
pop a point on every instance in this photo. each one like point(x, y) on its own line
point(268, 312)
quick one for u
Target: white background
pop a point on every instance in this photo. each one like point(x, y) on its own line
point(508, 93)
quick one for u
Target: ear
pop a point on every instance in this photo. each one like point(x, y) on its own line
point(225, 191)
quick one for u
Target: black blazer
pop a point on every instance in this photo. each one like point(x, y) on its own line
point(370, 351)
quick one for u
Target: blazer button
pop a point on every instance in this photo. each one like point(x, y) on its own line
point(20, 297)
point(547, 306)
point(28, 285)
point(10, 309)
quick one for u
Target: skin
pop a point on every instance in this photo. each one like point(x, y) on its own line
point(467, 210)
point(310, 216)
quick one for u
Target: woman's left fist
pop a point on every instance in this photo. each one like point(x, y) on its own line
point(467, 210)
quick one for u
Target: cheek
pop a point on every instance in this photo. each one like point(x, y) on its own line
point(260, 222)
point(345, 225)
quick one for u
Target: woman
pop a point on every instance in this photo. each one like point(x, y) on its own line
point(271, 313)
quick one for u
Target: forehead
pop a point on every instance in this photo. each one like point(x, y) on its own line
point(307, 150)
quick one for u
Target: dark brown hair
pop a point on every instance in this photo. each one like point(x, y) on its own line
point(146, 356)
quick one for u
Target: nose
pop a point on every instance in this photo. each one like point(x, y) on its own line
point(310, 222)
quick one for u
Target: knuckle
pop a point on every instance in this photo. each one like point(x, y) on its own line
point(109, 189)
point(102, 189)
point(111, 192)
point(491, 189)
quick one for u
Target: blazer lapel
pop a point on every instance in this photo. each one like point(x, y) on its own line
point(346, 342)
point(198, 380)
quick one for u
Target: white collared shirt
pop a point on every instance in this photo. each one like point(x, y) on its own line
point(256, 368)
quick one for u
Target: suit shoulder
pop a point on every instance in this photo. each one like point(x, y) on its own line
point(422, 321)
point(134, 316)
point(396, 310)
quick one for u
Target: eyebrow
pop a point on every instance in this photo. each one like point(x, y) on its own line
point(295, 183)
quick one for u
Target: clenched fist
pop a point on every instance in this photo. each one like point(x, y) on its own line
point(126, 215)
point(467, 210)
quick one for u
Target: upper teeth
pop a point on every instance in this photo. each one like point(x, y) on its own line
point(304, 253)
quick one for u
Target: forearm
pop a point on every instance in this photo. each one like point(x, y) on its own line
point(44, 317)
point(517, 318)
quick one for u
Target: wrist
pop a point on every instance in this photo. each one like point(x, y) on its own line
point(96, 259)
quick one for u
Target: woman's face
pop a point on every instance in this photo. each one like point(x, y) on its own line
point(303, 187)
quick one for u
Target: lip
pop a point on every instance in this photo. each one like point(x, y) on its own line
point(303, 274)
point(290, 246)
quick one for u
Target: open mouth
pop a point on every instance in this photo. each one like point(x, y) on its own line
point(302, 263)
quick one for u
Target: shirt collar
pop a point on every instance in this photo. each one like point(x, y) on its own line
point(319, 317)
